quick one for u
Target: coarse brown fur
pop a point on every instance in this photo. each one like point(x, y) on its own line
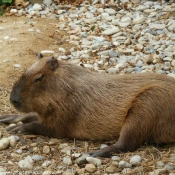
point(73, 102)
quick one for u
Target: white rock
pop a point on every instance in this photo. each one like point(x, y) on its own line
point(110, 169)
point(61, 49)
point(61, 12)
point(46, 163)
point(103, 146)
point(13, 141)
point(138, 20)
point(135, 1)
point(112, 70)
point(115, 158)
point(94, 161)
point(76, 155)
point(123, 164)
point(31, 30)
point(128, 51)
point(13, 39)
point(47, 2)
point(135, 160)
point(127, 171)
point(85, 56)
point(104, 53)
point(126, 20)
point(115, 21)
point(27, 163)
point(173, 63)
point(90, 21)
point(110, 11)
point(17, 65)
point(141, 7)
point(19, 151)
point(171, 75)
point(2, 28)
point(88, 65)
point(82, 159)
point(123, 24)
point(83, 9)
point(6, 37)
point(124, 1)
point(46, 149)
point(172, 26)
point(4, 143)
point(45, 52)
point(37, 158)
point(89, 15)
point(100, 10)
point(105, 15)
point(90, 168)
point(167, 59)
point(111, 31)
point(13, 11)
point(160, 164)
point(37, 7)
point(67, 160)
point(38, 30)
point(156, 26)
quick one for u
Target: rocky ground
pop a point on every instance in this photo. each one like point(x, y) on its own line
point(119, 38)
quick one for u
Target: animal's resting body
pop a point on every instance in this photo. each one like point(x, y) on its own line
point(72, 102)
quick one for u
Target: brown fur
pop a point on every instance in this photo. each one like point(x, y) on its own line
point(76, 103)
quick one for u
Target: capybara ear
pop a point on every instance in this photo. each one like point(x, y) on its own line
point(53, 63)
point(40, 55)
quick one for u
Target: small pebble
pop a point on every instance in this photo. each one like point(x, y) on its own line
point(94, 161)
point(27, 163)
point(13, 141)
point(123, 164)
point(111, 169)
point(46, 163)
point(115, 158)
point(46, 149)
point(37, 157)
point(67, 160)
point(82, 159)
point(45, 52)
point(19, 151)
point(4, 143)
point(135, 160)
point(90, 168)
point(111, 31)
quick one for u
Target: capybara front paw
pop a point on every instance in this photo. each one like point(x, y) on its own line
point(18, 129)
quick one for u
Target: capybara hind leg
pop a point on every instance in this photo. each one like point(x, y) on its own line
point(35, 128)
point(131, 138)
point(13, 118)
point(138, 125)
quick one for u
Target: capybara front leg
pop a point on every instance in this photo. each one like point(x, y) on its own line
point(14, 118)
point(35, 128)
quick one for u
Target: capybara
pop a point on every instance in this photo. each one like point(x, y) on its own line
point(69, 101)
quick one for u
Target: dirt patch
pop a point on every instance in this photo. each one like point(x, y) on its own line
point(27, 38)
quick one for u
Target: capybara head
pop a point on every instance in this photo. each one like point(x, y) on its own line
point(33, 91)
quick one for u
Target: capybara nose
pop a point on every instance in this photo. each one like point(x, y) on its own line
point(15, 100)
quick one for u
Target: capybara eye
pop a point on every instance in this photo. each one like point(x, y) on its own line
point(39, 79)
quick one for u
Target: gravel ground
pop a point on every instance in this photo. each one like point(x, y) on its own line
point(119, 38)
